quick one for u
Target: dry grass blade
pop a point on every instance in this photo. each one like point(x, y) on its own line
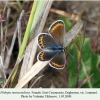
point(36, 80)
point(17, 63)
point(52, 86)
point(5, 34)
point(1, 41)
point(2, 73)
point(32, 47)
point(29, 54)
point(12, 44)
point(73, 32)
point(35, 69)
point(2, 68)
point(84, 81)
point(19, 33)
point(42, 19)
point(66, 14)
point(7, 60)
point(7, 21)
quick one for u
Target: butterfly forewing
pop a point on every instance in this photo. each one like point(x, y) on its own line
point(57, 30)
point(45, 41)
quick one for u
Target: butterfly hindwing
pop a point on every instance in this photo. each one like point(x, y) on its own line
point(58, 62)
point(45, 56)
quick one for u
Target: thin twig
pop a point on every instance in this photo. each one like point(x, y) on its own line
point(12, 44)
point(36, 80)
point(19, 33)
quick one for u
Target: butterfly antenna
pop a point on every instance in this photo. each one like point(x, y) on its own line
point(69, 54)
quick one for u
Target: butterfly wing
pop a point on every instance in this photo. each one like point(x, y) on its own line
point(50, 45)
point(57, 30)
point(46, 41)
point(59, 61)
point(45, 56)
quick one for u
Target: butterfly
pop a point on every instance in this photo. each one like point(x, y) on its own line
point(51, 44)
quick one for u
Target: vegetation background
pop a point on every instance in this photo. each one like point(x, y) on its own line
point(83, 70)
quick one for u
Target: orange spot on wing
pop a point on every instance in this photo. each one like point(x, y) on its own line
point(41, 41)
point(58, 26)
point(41, 56)
point(57, 65)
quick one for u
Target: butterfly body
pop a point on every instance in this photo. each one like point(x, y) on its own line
point(52, 45)
point(55, 49)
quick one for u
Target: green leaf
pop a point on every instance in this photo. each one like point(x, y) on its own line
point(89, 65)
point(68, 24)
point(91, 61)
point(1, 81)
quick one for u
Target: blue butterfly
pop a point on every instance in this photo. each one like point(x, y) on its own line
point(52, 45)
